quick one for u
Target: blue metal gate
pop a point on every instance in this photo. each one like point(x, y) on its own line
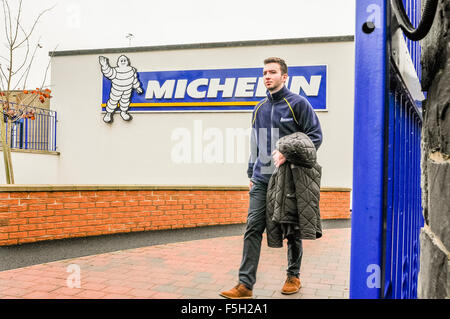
point(386, 212)
point(38, 133)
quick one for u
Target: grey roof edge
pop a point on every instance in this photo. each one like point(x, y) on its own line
point(207, 45)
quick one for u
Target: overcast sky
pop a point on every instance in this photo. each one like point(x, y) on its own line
point(88, 24)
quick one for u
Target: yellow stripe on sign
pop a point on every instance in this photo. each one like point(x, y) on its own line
point(190, 104)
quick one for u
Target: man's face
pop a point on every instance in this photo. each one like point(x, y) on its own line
point(273, 79)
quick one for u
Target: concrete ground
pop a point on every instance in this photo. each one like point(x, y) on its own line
point(188, 264)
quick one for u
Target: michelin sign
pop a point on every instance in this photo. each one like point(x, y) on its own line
point(237, 89)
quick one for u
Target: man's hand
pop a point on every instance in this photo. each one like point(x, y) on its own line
point(278, 158)
point(250, 186)
point(139, 90)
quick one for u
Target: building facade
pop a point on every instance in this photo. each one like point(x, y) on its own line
point(185, 122)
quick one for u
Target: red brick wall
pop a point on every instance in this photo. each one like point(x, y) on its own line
point(29, 216)
point(334, 204)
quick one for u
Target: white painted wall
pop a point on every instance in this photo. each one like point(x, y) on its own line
point(31, 168)
point(139, 151)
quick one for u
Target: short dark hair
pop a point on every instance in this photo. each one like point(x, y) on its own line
point(280, 61)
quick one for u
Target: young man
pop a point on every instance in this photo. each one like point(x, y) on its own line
point(280, 114)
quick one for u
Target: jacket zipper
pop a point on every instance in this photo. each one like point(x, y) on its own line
point(271, 131)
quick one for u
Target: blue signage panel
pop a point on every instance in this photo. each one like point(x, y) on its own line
point(218, 90)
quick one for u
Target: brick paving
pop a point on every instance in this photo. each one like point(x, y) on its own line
point(197, 269)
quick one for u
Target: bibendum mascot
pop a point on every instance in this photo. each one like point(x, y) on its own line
point(123, 80)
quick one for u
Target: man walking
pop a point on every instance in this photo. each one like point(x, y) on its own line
point(280, 114)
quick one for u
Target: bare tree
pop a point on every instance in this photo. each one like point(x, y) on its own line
point(14, 71)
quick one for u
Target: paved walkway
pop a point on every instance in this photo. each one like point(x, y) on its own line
point(186, 270)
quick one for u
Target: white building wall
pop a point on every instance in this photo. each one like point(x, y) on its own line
point(139, 151)
point(31, 168)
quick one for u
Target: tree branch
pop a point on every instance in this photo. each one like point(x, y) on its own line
point(6, 13)
point(34, 25)
point(4, 75)
point(2, 85)
point(48, 65)
point(27, 71)
point(26, 54)
point(17, 23)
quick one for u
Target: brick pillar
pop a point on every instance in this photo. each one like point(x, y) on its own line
point(434, 276)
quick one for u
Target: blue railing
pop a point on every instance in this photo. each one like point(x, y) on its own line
point(386, 205)
point(33, 134)
point(403, 209)
point(403, 213)
point(413, 9)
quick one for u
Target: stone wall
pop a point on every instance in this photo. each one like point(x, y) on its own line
point(434, 276)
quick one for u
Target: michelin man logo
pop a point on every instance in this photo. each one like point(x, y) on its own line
point(123, 80)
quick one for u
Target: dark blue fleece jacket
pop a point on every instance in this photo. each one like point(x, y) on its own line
point(280, 114)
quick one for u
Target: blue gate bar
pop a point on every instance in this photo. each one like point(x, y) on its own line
point(54, 130)
point(392, 187)
point(368, 150)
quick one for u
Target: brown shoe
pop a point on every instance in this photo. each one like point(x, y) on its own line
point(291, 286)
point(240, 291)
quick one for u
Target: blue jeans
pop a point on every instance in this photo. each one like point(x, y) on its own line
point(256, 224)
